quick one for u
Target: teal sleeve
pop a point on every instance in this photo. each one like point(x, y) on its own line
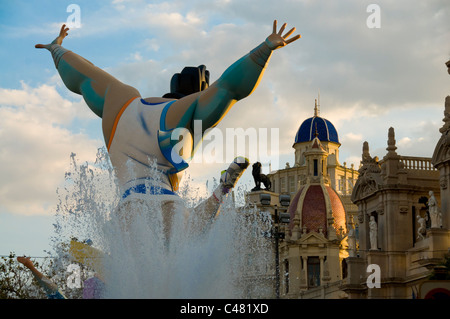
point(237, 82)
point(79, 83)
point(242, 77)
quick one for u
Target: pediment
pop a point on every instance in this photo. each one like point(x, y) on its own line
point(313, 238)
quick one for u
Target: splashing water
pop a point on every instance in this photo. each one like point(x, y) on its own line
point(142, 259)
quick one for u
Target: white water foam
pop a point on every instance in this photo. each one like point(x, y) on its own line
point(142, 259)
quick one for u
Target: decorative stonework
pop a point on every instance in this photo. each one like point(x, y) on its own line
point(434, 211)
point(442, 151)
point(380, 209)
point(361, 218)
point(369, 175)
point(446, 119)
point(391, 141)
point(443, 182)
point(373, 233)
point(421, 231)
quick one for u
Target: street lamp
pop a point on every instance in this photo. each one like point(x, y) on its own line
point(279, 218)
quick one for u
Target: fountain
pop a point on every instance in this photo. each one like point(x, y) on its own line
point(144, 255)
point(140, 260)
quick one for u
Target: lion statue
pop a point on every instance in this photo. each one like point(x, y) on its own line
point(260, 178)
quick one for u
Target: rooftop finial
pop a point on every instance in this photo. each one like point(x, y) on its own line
point(391, 140)
point(316, 111)
point(318, 103)
point(366, 154)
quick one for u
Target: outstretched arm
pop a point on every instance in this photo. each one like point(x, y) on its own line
point(26, 261)
point(207, 211)
point(104, 94)
point(236, 83)
point(241, 78)
point(59, 39)
point(50, 288)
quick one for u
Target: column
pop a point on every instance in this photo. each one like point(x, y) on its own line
point(321, 258)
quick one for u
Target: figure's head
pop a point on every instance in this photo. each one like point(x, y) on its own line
point(190, 80)
point(448, 66)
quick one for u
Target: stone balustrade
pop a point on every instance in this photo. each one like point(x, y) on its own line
point(417, 163)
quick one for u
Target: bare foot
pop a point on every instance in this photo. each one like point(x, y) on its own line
point(62, 34)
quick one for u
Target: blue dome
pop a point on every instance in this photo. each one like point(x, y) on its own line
point(326, 130)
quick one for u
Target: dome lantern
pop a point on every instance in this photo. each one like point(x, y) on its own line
point(326, 130)
point(316, 127)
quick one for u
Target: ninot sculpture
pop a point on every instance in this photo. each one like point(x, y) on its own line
point(137, 129)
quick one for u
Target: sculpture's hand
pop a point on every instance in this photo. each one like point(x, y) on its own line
point(276, 40)
point(62, 34)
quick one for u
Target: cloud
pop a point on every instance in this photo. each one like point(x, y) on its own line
point(404, 142)
point(369, 79)
point(363, 76)
point(414, 137)
point(350, 63)
point(35, 147)
point(352, 137)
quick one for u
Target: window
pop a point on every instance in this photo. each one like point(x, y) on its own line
point(316, 168)
point(350, 185)
point(283, 184)
point(341, 184)
point(344, 269)
point(291, 184)
point(313, 272)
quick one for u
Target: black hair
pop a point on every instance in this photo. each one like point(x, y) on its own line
point(190, 80)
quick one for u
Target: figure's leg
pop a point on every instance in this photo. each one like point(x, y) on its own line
point(104, 94)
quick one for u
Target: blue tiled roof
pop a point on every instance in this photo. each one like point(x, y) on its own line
point(325, 129)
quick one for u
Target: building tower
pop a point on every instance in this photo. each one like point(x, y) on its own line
point(315, 245)
point(312, 254)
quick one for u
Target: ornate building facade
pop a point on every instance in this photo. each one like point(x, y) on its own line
point(392, 196)
point(404, 217)
point(376, 232)
point(314, 245)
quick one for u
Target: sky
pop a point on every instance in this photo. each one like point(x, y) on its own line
point(372, 69)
